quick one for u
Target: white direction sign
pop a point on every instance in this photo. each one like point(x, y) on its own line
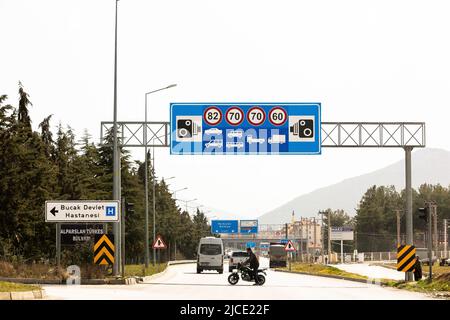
point(341, 233)
point(289, 246)
point(82, 211)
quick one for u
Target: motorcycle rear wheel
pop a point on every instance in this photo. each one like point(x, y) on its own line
point(233, 279)
point(261, 279)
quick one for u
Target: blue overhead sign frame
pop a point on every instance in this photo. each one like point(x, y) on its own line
point(224, 226)
point(250, 244)
point(245, 128)
point(248, 226)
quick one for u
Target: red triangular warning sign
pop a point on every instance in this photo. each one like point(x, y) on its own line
point(159, 243)
point(289, 246)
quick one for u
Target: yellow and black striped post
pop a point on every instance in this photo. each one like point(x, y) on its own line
point(104, 249)
point(406, 258)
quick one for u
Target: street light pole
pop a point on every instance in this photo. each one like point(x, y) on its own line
point(147, 241)
point(175, 192)
point(186, 202)
point(116, 160)
point(154, 207)
point(175, 240)
point(322, 235)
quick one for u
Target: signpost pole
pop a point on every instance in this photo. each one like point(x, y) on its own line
point(122, 221)
point(342, 251)
point(58, 244)
point(290, 260)
point(430, 243)
point(408, 213)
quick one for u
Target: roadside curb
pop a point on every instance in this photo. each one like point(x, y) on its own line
point(126, 281)
point(153, 276)
point(32, 280)
point(22, 295)
point(160, 274)
point(331, 276)
point(171, 263)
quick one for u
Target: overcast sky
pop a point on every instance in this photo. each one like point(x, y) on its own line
point(363, 60)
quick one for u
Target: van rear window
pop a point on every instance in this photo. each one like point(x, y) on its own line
point(210, 249)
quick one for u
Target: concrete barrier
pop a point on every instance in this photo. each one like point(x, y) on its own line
point(5, 295)
point(22, 295)
point(171, 263)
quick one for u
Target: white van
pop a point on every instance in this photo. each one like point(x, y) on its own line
point(210, 254)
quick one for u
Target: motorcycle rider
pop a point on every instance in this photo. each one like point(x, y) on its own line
point(253, 263)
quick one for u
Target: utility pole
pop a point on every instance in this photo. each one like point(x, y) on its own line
point(435, 231)
point(314, 250)
point(301, 239)
point(307, 239)
point(445, 239)
point(427, 215)
point(286, 233)
point(322, 232)
point(430, 243)
point(116, 161)
point(329, 236)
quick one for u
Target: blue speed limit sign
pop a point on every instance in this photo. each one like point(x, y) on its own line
point(245, 128)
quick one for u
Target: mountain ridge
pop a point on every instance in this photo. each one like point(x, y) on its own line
point(430, 165)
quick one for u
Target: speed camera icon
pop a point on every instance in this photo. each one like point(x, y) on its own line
point(188, 129)
point(301, 128)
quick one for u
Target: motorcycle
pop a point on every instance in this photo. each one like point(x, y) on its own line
point(246, 275)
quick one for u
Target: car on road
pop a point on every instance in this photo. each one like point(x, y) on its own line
point(235, 134)
point(218, 143)
point(235, 258)
point(277, 255)
point(213, 131)
point(210, 254)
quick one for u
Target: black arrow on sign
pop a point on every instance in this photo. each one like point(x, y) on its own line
point(54, 211)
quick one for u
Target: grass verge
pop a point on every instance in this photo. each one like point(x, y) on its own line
point(319, 269)
point(12, 287)
point(440, 285)
point(437, 269)
point(138, 269)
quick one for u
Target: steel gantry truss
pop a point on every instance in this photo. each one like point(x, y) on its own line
point(406, 135)
point(334, 134)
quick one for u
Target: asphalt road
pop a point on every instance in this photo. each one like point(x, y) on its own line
point(181, 282)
